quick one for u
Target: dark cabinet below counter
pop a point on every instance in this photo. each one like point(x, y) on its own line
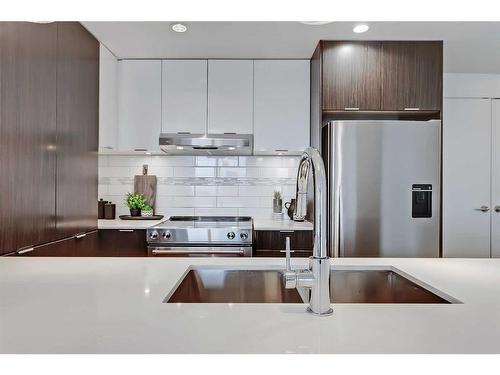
point(271, 243)
point(123, 243)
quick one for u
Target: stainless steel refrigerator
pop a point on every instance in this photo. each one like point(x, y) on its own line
point(384, 180)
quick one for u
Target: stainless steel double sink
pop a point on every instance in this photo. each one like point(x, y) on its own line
point(347, 285)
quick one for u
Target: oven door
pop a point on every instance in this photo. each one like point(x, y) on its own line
point(200, 251)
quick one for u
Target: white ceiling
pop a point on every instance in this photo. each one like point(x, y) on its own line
point(469, 47)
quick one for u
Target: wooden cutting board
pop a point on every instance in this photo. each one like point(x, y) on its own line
point(146, 185)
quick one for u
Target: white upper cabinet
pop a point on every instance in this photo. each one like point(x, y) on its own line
point(230, 96)
point(466, 177)
point(139, 105)
point(108, 106)
point(184, 96)
point(281, 106)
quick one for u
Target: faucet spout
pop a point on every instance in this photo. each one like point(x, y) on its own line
point(317, 278)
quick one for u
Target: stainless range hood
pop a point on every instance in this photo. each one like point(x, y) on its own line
point(206, 144)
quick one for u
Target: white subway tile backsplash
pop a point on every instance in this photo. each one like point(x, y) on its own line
point(174, 211)
point(261, 213)
point(237, 202)
point(202, 185)
point(173, 161)
point(230, 191)
point(269, 161)
point(156, 170)
point(114, 171)
point(231, 172)
point(216, 211)
point(191, 202)
point(210, 191)
point(174, 190)
point(194, 172)
point(220, 161)
point(120, 189)
point(255, 191)
point(128, 161)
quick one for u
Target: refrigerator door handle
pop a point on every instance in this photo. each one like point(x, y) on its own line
point(340, 239)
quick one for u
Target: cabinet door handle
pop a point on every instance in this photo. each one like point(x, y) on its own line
point(497, 208)
point(80, 235)
point(287, 231)
point(482, 209)
point(351, 109)
point(140, 149)
point(25, 250)
point(412, 109)
point(125, 230)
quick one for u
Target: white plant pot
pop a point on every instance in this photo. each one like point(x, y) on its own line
point(147, 213)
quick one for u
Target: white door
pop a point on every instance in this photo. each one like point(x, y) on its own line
point(466, 177)
point(230, 96)
point(281, 106)
point(495, 180)
point(139, 105)
point(108, 98)
point(184, 96)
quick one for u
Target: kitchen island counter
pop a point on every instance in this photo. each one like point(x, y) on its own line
point(114, 305)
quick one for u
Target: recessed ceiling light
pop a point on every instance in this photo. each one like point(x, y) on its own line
point(179, 28)
point(358, 29)
point(315, 23)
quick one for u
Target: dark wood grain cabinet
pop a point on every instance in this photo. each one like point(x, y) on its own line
point(351, 75)
point(123, 243)
point(77, 129)
point(378, 75)
point(412, 75)
point(271, 243)
point(27, 134)
point(49, 83)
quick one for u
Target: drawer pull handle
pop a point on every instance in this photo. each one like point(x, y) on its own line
point(412, 109)
point(284, 251)
point(25, 250)
point(80, 235)
point(351, 109)
point(287, 231)
point(125, 230)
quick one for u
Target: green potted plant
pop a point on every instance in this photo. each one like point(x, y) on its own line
point(135, 202)
point(147, 210)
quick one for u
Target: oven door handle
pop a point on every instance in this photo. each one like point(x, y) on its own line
point(215, 250)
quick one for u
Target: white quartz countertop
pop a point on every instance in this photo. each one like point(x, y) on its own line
point(259, 224)
point(114, 305)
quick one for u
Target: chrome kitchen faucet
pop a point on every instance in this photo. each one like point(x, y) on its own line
point(317, 277)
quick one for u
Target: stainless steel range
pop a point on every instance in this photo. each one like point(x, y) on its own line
point(201, 236)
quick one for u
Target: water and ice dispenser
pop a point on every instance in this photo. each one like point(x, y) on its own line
point(421, 200)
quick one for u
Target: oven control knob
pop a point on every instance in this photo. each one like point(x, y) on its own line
point(244, 235)
point(153, 235)
point(231, 235)
point(166, 235)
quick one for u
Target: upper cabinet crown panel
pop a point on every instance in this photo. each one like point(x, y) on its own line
point(281, 106)
point(230, 96)
point(351, 75)
point(139, 104)
point(184, 96)
point(412, 75)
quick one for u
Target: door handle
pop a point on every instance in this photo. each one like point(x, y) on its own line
point(497, 208)
point(482, 209)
